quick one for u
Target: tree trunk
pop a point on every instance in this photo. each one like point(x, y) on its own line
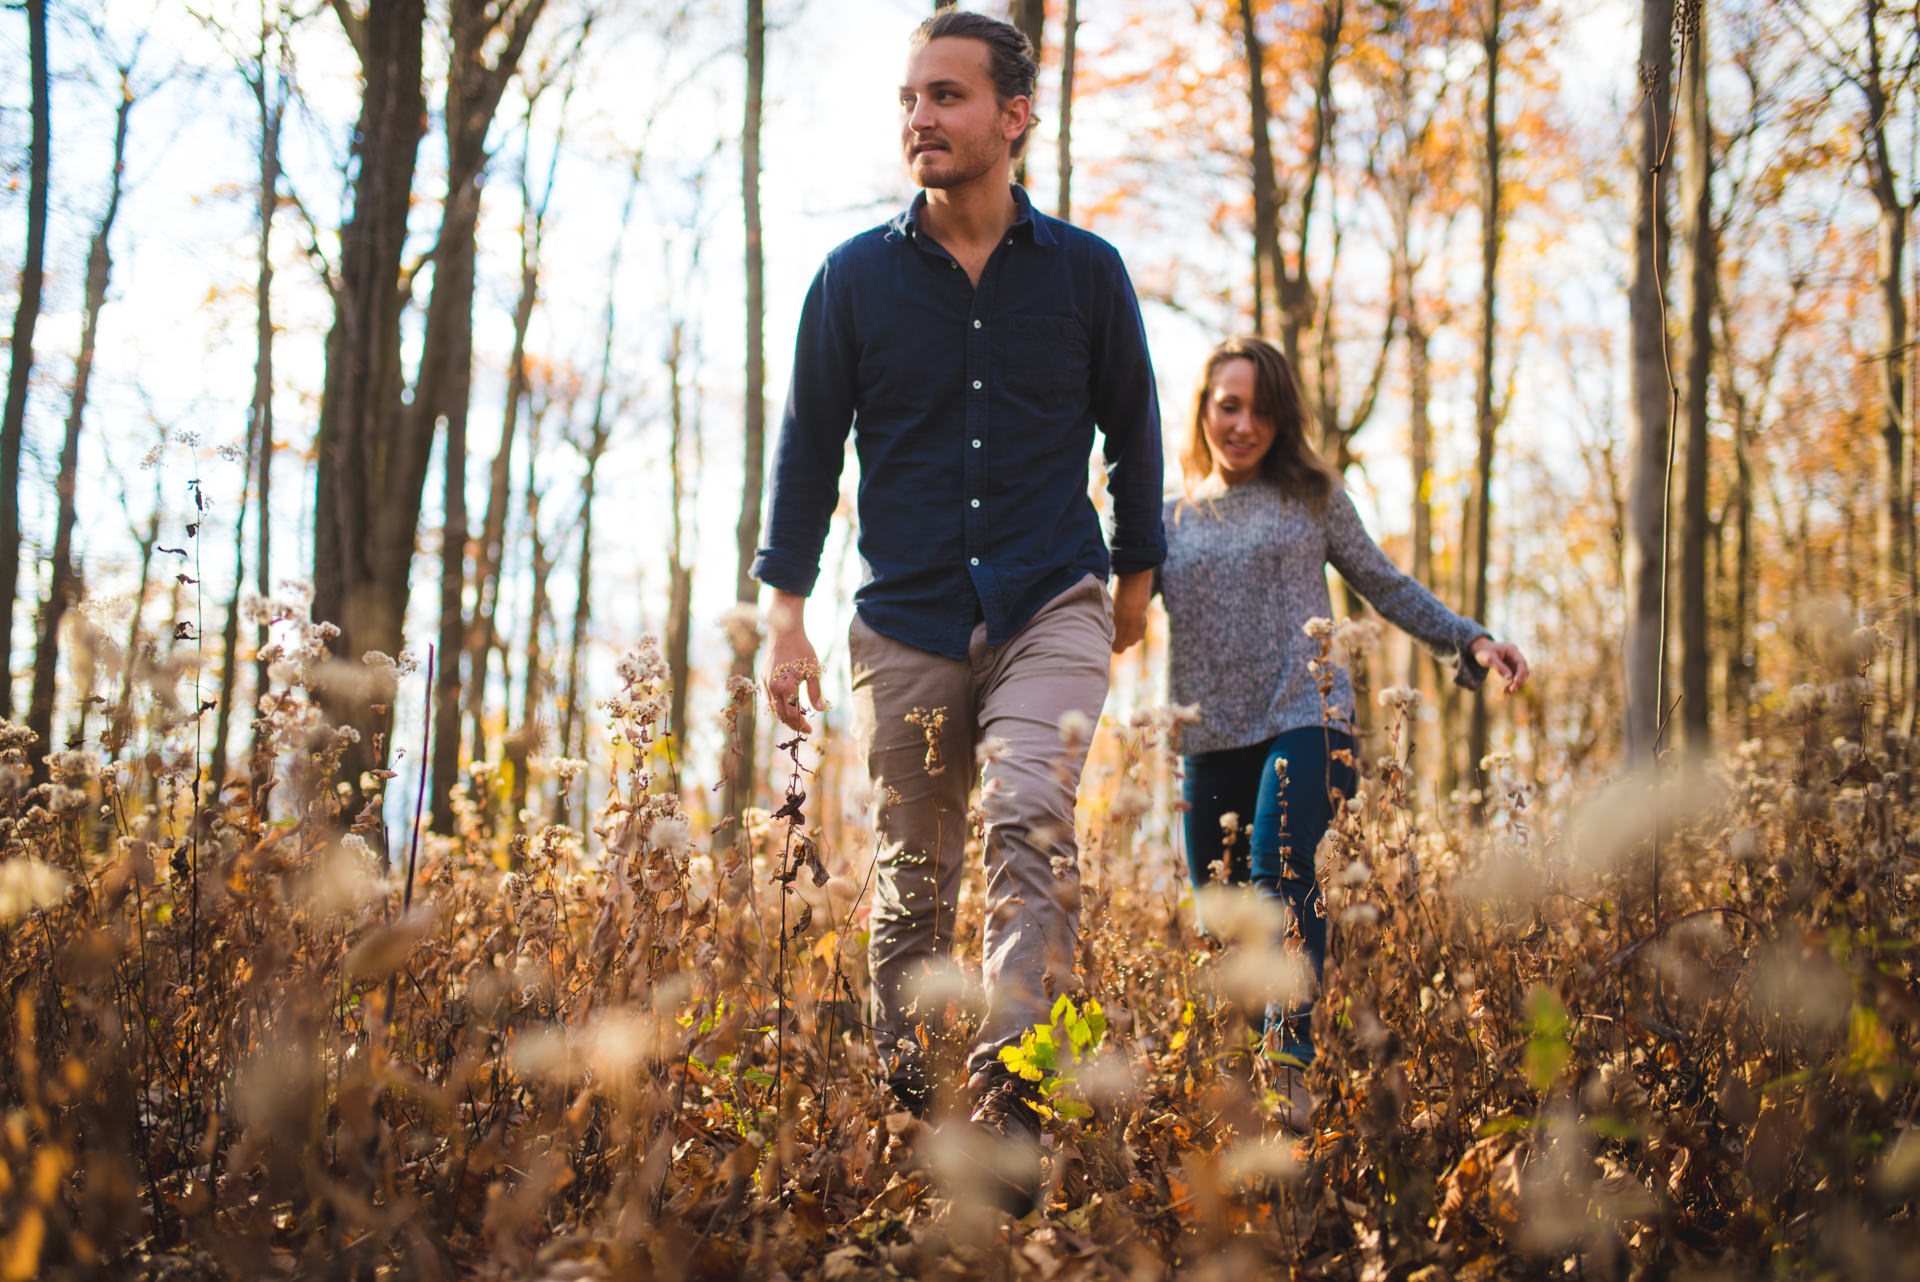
point(1292, 285)
point(1644, 552)
point(230, 639)
point(120, 726)
point(374, 451)
point(489, 555)
point(679, 571)
point(445, 380)
point(744, 764)
point(271, 101)
point(1266, 218)
point(573, 710)
point(1702, 264)
point(1895, 512)
point(1069, 43)
point(13, 425)
point(520, 745)
point(364, 516)
point(1739, 691)
point(1491, 229)
point(63, 586)
point(1030, 16)
point(445, 765)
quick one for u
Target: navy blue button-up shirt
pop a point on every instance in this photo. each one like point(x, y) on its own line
point(973, 411)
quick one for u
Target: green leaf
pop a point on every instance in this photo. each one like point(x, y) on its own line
point(1502, 1125)
point(1548, 1052)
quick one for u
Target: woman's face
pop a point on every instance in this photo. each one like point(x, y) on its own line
point(1237, 436)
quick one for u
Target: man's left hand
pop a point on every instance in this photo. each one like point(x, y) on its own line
point(1131, 592)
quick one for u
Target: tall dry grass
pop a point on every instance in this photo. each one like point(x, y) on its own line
point(1668, 1031)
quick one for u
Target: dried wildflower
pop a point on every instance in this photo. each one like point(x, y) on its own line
point(1262, 1160)
point(671, 835)
point(1076, 728)
point(28, 884)
point(1402, 699)
point(645, 695)
point(1355, 638)
point(1129, 802)
point(932, 725)
point(741, 621)
point(1242, 914)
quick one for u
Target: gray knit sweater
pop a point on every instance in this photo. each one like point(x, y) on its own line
point(1245, 570)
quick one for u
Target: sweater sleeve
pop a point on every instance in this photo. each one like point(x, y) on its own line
point(1399, 597)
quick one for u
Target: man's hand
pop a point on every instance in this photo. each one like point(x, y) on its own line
point(1502, 658)
point(1131, 592)
point(791, 661)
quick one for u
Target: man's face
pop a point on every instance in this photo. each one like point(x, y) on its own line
point(952, 127)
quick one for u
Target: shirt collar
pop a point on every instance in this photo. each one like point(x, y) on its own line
point(1026, 219)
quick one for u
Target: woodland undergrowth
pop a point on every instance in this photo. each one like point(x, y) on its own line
point(1670, 1031)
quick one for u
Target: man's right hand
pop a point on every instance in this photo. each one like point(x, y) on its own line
point(790, 662)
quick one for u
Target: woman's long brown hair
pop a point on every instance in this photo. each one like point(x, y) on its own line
point(1291, 461)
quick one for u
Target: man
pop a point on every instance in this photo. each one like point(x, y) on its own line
point(972, 344)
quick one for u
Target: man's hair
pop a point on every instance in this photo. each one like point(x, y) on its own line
point(1009, 54)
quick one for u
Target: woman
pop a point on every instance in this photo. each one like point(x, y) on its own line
point(1247, 551)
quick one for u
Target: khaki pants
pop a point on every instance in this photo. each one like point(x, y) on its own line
point(1016, 692)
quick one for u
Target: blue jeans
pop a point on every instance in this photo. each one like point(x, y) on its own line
point(1283, 790)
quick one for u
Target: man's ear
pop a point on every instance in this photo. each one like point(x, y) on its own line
point(1015, 117)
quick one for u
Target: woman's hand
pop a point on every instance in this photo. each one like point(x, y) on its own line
point(1502, 658)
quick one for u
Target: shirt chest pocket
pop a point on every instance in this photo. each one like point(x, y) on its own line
point(1043, 359)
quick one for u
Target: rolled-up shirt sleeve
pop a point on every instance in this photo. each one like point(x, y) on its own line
point(1401, 599)
point(1126, 405)
point(813, 437)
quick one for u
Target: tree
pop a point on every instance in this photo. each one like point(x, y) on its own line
point(483, 633)
point(63, 587)
point(1411, 166)
point(373, 445)
point(754, 461)
point(473, 92)
point(268, 84)
point(364, 517)
point(1069, 44)
point(1030, 16)
point(26, 315)
point(1702, 264)
point(1644, 547)
point(598, 435)
point(1289, 276)
point(1486, 419)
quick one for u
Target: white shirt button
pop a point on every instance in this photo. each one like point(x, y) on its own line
point(976, 502)
point(976, 445)
point(973, 560)
point(976, 384)
point(976, 324)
